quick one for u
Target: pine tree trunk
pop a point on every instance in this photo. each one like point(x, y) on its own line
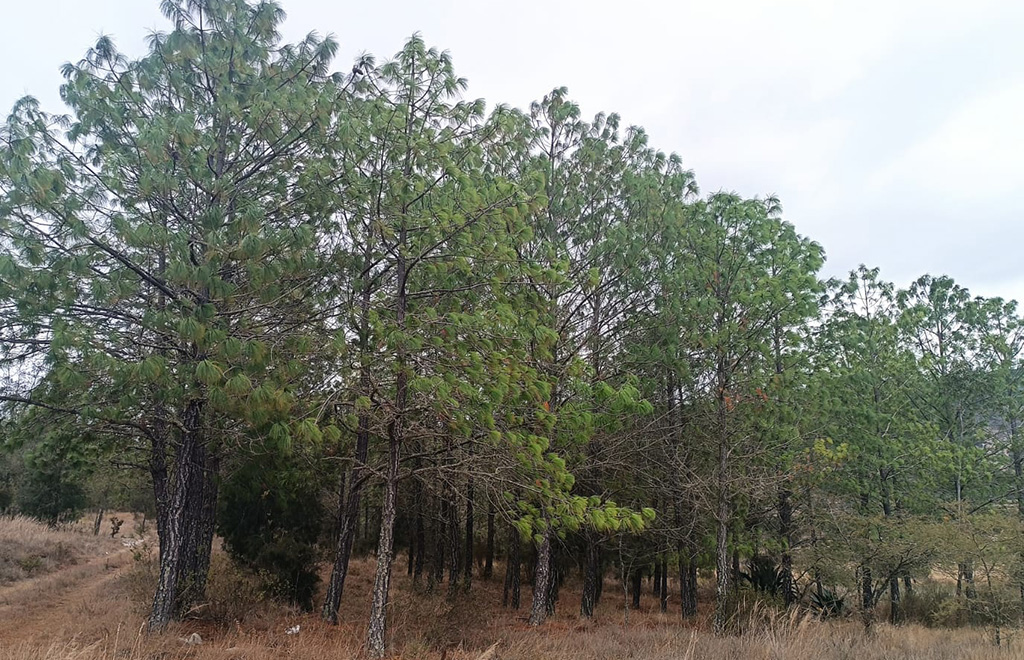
point(785, 509)
point(376, 642)
point(894, 600)
point(637, 586)
point(348, 525)
point(663, 590)
point(346, 536)
point(178, 507)
point(98, 522)
point(489, 559)
point(411, 531)
point(722, 567)
point(1018, 476)
point(510, 598)
point(722, 495)
point(375, 637)
point(200, 523)
point(158, 473)
point(867, 601)
point(454, 548)
point(687, 560)
point(656, 580)
point(438, 532)
point(591, 577)
point(541, 581)
point(554, 581)
point(688, 584)
point(325, 613)
point(421, 538)
point(467, 573)
point(736, 575)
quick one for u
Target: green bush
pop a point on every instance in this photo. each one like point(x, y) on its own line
point(50, 495)
point(270, 518)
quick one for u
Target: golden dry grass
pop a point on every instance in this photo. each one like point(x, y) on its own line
point(99, 615)
point(29, 548)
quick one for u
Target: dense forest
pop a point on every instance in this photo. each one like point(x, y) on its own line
point(320, 315)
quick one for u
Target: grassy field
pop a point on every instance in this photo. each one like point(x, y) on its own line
point(93, 608)
point(29, 549)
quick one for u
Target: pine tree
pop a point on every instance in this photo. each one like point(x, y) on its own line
point(163, 249)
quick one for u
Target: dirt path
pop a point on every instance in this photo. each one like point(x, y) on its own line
point(44, 608)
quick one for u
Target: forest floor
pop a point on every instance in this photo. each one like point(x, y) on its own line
point(95, 610)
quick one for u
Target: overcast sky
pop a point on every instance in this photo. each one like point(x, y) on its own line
point(892, 130)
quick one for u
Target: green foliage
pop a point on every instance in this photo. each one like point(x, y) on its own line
point(827, 603)
point(765, 576)
point(50, 493)
point(270, 518)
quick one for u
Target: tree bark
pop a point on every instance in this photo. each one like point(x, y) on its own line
point(554, 581)
point(178, 503)
point(467, 573)
point(454, 548)
point(687, 582)
point(722, 494)
point(867, 590)
point(786, 533)
point(438, 533)
point(489, 559)
point(722, 567)
point(510, 598)
point(159, 474)
point(684, 519)
point(375, 637)
point(1018, 476)
point(637, 587)
point(411, 531)
point(421, 538)
point(591, 577)
point(199, 526)
point(894, 599)
point(663, 590)
point(541, 581)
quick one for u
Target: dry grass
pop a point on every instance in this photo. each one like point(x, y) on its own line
point(101, 616)
point(29, 548)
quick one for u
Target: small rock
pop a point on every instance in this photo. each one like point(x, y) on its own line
point(294, 630)
point(193, 640)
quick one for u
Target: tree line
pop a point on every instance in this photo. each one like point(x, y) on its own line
point(358, 312)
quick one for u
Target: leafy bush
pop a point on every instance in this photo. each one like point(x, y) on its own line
point(270, 518)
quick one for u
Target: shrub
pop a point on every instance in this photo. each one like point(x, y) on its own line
point(270, 518)
point(50, 495)
point(827, 603)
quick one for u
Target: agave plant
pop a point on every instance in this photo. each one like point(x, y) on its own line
point(827, 602)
